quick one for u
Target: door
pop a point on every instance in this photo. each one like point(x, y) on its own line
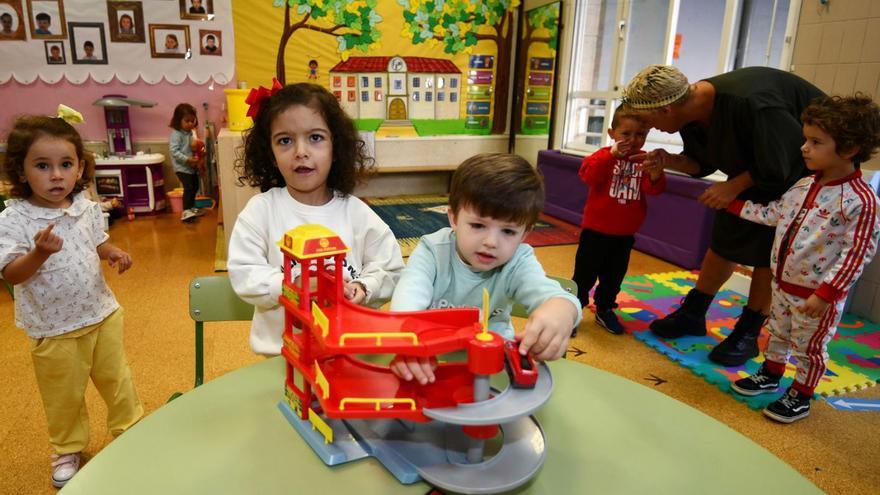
point(397, 109)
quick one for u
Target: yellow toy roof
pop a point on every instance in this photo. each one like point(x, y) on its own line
point(311, 241)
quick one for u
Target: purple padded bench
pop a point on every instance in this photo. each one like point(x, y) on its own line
point(677, 228)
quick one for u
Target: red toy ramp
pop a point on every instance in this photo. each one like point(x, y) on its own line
point(358, 389)
point(362, 330)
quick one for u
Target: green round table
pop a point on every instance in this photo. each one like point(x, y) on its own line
point(605, 435)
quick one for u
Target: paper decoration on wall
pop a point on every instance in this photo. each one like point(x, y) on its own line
point(538, 60)
point(127, 40)
point(398, 62)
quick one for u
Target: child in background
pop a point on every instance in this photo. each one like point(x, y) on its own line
point(614, 211)
point(494, 201)
point(51, 245)
point(186, 163)
point(306, 156)
point(826, 232)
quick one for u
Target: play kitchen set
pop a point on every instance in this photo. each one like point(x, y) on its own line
point(136, 179)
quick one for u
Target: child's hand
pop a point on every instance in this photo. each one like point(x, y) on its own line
point(409, 367)
point(548, 329)
point(355, 292)
point(619, 150)
point(718, 195)
point(46, 242)
point(120, 258)
point(814, 306)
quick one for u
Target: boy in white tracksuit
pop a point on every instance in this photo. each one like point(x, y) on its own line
point(826, 232)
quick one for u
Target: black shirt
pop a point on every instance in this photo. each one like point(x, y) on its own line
point(755, 127)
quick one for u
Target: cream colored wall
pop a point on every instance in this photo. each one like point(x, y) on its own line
point(837, 48)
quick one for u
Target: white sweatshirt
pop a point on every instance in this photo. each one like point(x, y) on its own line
point(255, 261)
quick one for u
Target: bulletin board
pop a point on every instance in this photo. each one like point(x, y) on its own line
point(152, 40)
point(440, 66)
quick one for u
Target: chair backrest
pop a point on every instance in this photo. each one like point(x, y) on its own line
point(568, 285)
point(212, 299)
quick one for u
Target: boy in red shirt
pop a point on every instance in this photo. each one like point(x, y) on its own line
point(614, 211)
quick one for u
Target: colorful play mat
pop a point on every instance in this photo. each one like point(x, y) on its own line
point(411, 217)
point(854, 352)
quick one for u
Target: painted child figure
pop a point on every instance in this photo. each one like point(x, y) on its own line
point(51, 245)
point(494, 201)
point(306, 155)
point(826, 232)
point(614, 211)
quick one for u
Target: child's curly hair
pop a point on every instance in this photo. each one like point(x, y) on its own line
point(351, 163)
point(24, 132)
point(852, 121)
point(498, 185)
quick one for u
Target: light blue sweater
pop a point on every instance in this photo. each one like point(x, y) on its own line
point(181, 151)
point(436, 277)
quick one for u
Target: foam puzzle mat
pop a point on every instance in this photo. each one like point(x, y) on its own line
point(854, 352)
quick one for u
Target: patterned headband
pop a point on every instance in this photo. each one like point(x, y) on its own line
point(257, 95)
point(648, 105)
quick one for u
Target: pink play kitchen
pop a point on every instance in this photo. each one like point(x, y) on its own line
point(135, 178)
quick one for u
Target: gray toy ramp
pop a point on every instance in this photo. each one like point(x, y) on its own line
point(510, 404)
point(521, 456)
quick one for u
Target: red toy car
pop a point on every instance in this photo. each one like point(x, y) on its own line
point(521, 369)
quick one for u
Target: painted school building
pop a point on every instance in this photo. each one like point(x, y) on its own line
point(397, 88)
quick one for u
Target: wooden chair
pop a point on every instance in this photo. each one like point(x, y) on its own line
point(212, 299)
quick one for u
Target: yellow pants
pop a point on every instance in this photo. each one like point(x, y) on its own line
point(64, 364)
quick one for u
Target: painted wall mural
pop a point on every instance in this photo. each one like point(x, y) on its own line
point(537, 63)
point(430, 64)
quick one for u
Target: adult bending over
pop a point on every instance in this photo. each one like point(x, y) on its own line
point(745, 123)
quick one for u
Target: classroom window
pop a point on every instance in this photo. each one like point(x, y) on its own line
point(398, 84)
point(441, 96)
point(429, 82)
point(604, 59)
point(351, 81)
point(441, 82)
point(337, 81)
point(453, 82)
point(416, 82)
point(365, 81)
point(338, 95)
point(365, 96)
point(351, 96)
point(453, 97)
point(415, 96)
point(378, 95)
point(377, 82)
point(428, 96)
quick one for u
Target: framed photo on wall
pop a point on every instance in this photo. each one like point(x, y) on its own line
point(87, 43)
point(11, 20)
point(126, 22)
point(197, 9)
point(169, 40)
point(55, 52)
point(47, 19)
point(210, 42)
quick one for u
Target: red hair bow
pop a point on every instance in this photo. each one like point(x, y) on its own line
point(257, 95)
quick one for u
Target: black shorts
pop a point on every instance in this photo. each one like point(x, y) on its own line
point(741, 241)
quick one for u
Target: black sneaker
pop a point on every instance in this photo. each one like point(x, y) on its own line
point(761, 382)
point(789, 408)
point(688, 319)
point(608, 320)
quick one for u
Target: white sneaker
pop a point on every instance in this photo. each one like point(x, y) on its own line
point(187, 215)
point(63, 468)
point(197, 212)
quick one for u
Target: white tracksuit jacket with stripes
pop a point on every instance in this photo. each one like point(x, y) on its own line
point(825, 234)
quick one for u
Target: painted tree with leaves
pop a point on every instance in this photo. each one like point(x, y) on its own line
point(351, 22)
point(458, 26)
point(541, 26)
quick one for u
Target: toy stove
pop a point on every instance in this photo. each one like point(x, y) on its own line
point(119, 140)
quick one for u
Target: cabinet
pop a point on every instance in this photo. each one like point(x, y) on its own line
point(138, 181)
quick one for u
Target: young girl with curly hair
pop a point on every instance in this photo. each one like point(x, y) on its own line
point(52, 242)
point(306, 156)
